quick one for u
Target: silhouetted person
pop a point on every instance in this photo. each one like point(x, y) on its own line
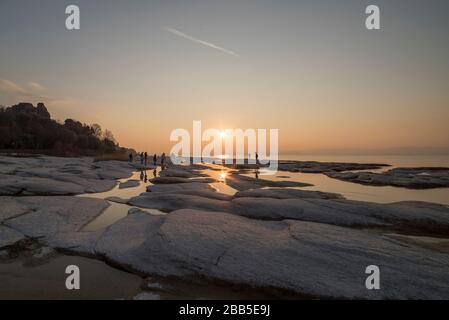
point(141, 158)
point(146, 158)
point(130, 157)
point(155, 172)
point(155, 160)
point(145, 179)
point(163, 161)
point(257, 158)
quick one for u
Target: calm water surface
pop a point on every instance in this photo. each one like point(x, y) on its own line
point(118, 211)
point(359, 192)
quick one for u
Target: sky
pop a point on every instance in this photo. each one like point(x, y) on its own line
point(307, 68)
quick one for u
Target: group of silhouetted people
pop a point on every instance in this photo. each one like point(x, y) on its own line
point(144, 159)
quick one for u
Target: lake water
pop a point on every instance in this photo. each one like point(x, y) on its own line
point(394, 160)
point(360, 192)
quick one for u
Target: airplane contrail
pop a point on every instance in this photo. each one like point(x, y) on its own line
point(204, 43)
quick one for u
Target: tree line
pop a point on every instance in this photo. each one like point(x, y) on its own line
point(25, 127)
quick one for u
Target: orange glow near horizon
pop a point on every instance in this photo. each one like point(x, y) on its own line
point(314, 73)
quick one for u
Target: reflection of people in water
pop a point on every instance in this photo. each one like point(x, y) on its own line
point(256, 173)
point(141, 176)
point(155, 172)
point(145, 179)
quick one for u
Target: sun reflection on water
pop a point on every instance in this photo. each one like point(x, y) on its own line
point(223, 175)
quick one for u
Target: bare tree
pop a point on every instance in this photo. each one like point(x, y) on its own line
point(109, 136)
point(96, 130)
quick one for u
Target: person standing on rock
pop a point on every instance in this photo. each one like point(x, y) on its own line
point(141, 158)
point(163, 161)
point(146, 158)
point(257, 158)
point(130, 157)
point(155, 160)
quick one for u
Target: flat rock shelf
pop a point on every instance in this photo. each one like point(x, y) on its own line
point(268, 238)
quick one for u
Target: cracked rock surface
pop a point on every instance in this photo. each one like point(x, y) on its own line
point(43, 175)
point(267, 235)
point(315, 259)
point(241, 183)
point(322, 167)
point(9, 237)
point(411, 178)
point(44, 217)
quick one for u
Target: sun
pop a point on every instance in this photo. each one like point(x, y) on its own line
point(223, 134)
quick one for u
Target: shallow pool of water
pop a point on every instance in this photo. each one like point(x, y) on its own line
point(26, 277)
point(118, 211)
point(320, 182)
point(355, 191)
point(220, 174)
